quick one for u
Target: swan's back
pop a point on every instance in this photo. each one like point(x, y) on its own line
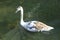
point(37, 26)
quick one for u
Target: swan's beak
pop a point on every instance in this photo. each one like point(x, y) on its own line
point(16, 11)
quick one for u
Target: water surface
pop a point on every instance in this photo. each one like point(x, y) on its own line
point(46, 11)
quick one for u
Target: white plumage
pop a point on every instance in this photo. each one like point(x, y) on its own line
point(33, 26)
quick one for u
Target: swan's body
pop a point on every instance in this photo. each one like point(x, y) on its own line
point(33, 26)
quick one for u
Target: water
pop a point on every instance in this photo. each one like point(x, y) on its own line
point(46, 11)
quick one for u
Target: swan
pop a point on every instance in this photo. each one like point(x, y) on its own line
point(33, 26)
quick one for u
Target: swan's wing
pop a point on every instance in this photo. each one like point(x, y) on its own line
point(34, 24)
point(41, 26)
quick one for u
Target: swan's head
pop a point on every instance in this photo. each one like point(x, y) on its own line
point(20, 8)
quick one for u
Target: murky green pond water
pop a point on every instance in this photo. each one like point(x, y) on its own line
point(46, 11)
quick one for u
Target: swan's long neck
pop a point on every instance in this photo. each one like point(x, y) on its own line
point(21, 16)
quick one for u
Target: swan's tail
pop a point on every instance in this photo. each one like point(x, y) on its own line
point(48, 28)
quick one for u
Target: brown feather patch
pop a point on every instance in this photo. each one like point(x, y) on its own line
point(39, 25)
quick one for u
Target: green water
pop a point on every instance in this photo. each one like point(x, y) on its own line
point(47, 11)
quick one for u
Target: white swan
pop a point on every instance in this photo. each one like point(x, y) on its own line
point(33, 26)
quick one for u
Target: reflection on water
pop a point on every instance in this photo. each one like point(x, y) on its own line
point(30, 14)
point(45, 11)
